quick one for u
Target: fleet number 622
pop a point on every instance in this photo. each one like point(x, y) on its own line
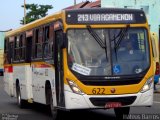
point(98, 91)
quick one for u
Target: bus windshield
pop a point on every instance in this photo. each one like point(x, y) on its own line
point(126, 52)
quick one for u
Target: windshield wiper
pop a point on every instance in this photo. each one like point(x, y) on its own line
point(95, 36)
point(121, 36)
point(98, 39)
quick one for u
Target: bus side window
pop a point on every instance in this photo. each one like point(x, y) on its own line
point(23, 52)
point(16, 49)
point(46, 51)
point(6, 51)
point(38, 43)
point(48, 42)
point(11, 51)
point(35, 38)
point(28, 49)
point(51, 40)
point(20, 46)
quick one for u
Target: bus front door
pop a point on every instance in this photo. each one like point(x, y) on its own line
point(59, 69)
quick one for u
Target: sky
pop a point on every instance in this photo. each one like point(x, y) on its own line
point(11, 11)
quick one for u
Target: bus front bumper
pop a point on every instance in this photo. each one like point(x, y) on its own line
point(76, 101)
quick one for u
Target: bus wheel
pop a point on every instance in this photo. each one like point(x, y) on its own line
point(20, 102)
point(53, 110)
point(122, 112)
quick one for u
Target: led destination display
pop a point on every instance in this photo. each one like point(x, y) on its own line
point(105, 16)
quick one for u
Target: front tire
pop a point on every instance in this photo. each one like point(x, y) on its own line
point(121, 112)
point(21, 103)
point(53, 110)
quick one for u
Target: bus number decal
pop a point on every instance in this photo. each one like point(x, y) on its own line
point(98, 91)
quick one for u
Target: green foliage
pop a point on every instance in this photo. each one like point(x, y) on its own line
point(35, 11)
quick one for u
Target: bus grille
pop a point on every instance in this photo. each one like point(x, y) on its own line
point(122, 100)
point(102, 82)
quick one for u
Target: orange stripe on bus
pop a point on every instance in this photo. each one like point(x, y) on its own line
point(42, 66)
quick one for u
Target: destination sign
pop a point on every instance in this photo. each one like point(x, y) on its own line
point(105, 16)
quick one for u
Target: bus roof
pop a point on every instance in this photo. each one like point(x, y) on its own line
point(34, 24)
point(105, 9)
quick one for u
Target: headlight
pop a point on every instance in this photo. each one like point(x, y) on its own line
point(147, 86)
point(74, 87)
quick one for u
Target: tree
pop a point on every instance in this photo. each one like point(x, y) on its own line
point(35, 11)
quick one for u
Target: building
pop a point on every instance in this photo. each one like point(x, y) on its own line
point(150, 7)
point(86, 4)
point(1, 40)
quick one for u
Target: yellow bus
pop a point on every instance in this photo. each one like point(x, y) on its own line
point(155, 44)
point(82, 59)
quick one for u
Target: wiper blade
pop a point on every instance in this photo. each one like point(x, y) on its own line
point(122, 35)
point(96, 37)
point(115, 37)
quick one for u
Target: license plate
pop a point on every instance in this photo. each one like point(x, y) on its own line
point(113, 105)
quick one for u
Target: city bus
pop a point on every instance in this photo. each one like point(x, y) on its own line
point(155, 44)
point(99, 58)
point(1, 52)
